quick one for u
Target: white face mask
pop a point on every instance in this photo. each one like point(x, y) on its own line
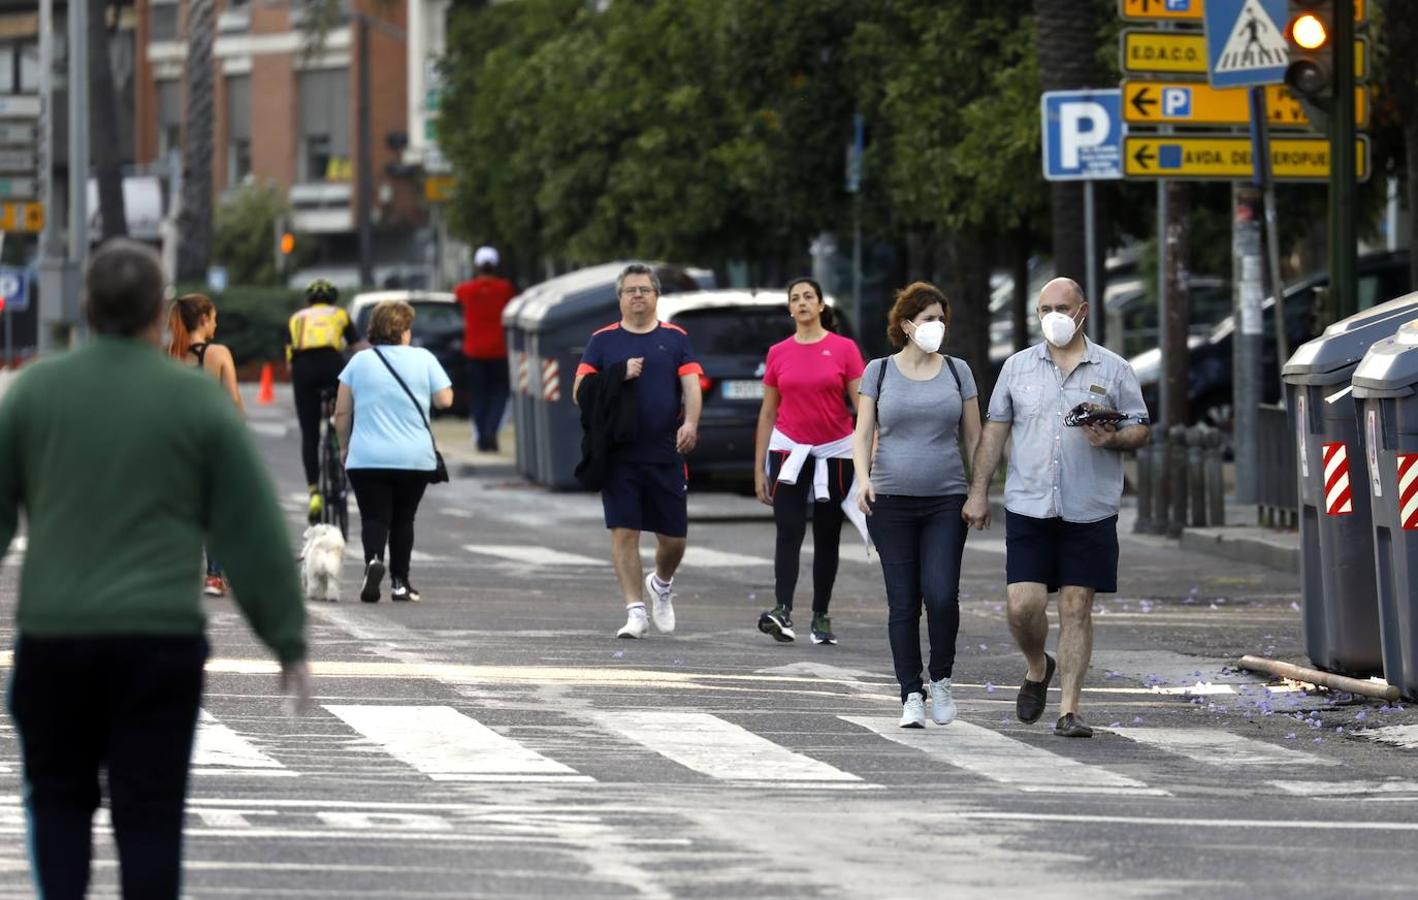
point(1059, 328)
point(928, 336)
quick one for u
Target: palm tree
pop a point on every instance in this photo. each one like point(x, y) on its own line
point(103, 110)
point(1067, 40)
point(194, 247)
point(1401, 36)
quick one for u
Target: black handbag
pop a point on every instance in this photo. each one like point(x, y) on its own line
point(440, 470)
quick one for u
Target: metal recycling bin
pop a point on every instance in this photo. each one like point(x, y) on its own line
point(1340, 614)
point(1386, 386)
point(556, 322)
point(524, 422)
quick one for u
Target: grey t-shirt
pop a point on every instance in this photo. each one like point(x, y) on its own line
point(918, 426)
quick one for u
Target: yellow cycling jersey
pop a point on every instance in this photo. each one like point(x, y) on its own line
point(318, 327)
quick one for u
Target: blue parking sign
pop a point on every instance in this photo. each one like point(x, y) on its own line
point(14, 287)
point(1083, 135)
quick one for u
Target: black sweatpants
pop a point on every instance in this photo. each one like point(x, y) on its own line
point(313, 372)
point(124, 704)
point(790, 507)
point(388, 501)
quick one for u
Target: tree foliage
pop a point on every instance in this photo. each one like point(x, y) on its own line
point(245, 234)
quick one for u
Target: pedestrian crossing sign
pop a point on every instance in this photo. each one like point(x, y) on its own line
point(1245, 43)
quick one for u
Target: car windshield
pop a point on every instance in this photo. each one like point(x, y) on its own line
point(437, 318)
point(736, 330)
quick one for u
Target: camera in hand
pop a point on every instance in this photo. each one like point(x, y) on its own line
point(1093, 414)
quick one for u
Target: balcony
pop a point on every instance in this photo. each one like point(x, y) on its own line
point(322, 207)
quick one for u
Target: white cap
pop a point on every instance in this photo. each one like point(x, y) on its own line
point(485, 256)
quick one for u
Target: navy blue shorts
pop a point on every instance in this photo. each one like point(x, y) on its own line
point(1058, 553)
point(647, 497)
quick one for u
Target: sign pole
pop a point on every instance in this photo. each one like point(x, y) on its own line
point(1090, 244)
point(1275, 285)
point(1163, 307)
point(9, 322)
point(1343, 252)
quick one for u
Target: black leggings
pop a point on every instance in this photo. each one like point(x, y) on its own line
point(124, 705)
point(790, 506)
point(388, 501)
point(313, 372)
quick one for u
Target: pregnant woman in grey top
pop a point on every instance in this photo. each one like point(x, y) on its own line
point(915, 407)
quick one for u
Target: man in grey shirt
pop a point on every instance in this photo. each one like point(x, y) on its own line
point(1061, 492)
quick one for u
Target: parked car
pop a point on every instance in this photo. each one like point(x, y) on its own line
point(731, 331)
point(1382, 276)
point(1133, 313)
point(438, 327)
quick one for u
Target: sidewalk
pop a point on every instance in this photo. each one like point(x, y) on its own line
point(1238, 540)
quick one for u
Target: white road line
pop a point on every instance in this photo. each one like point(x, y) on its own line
point(1268, 824)
point(446, 745)
point(219, 750)
point(1350, 790)
point(712, 559)
point(1405, 736)
point(1005, 760)
point(269, 429)
point(1220, 748)
point(717, 748)
point(531, 554)
point(985, 545)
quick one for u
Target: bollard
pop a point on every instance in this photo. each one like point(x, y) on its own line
point(1143, 524)
point(1161, 484)
point(1177, 441)
point(1196, 476)
point(1216, 477)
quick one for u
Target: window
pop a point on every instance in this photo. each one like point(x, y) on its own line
point(169, 117)
point(165, 22)
point(324, 110)
point(238, 128)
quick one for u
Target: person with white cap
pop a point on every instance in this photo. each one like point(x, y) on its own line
point(483, 297)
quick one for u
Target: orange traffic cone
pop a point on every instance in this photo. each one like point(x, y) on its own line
point(267, 395)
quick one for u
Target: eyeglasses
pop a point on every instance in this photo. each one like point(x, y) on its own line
point(638, 291)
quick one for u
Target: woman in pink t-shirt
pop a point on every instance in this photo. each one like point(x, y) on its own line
point(803, 453)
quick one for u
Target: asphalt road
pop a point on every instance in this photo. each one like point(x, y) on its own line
point(495, 740)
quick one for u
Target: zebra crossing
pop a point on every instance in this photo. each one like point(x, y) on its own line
point(438, 743)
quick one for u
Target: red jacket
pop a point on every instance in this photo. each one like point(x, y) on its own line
point(482, 299)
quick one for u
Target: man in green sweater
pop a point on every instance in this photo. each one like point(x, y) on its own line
point(125, 463)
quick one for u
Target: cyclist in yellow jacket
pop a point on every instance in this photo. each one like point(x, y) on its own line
point(319, 335)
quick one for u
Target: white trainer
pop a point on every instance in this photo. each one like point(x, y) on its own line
point(913, 711)
point(662, 604)
point(637, 624)
point(942, 703)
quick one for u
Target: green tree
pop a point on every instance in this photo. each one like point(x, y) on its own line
point(245, 235)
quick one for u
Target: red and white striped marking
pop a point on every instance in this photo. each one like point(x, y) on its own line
point(551, 380)
point(523, 376)
point(1408, 490)
point(1338, 497)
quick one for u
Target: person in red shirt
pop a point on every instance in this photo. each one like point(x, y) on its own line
point(483, 297)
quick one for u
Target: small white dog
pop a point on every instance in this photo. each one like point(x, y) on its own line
point(321, 558)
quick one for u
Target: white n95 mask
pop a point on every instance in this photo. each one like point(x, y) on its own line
point(1058, 327)
point(928, 336)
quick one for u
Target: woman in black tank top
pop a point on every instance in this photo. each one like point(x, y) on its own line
point(192, 324)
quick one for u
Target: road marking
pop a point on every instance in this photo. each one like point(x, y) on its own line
point(219, 750)
point(712, 559)
point(446, 745)
point(531, 554)
point(1350, 790)
point(1006, 760)
point(269, 429)
point(1271, 824)
point(717, 748)
point(985, 545)
point(1221, 748)
point(1405, 736)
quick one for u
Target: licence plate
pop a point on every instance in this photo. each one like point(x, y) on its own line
point(742, 390)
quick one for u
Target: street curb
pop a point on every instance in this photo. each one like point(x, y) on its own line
point(1255, 549)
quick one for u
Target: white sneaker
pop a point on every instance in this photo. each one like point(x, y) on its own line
point(662, 604)
point(913, 711)
point(942, 704)
point(637, 624)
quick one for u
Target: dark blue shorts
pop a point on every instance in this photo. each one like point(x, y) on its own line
point(647, 497)
point(1058, 553)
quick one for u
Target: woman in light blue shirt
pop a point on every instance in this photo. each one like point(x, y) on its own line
point(387, 443)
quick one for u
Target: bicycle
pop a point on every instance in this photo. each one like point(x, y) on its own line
point(333, 484)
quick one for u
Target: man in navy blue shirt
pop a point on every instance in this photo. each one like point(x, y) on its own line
point(646, 481)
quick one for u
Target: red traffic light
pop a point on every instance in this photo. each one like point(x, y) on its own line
point(287, 243)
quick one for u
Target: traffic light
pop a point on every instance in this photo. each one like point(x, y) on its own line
point(1310, 75)
point(287, 243)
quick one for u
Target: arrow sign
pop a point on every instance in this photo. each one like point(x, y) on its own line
point(1191, 103)
point(1189, 11)
point(1141, 101)
point(1228, 157)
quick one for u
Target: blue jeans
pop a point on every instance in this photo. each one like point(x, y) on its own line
point(920, 541)
point(488, 390)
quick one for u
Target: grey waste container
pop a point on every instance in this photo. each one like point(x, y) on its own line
point(524, 422)
point(557, 321)
point(1341, 617)
point(1386, 386)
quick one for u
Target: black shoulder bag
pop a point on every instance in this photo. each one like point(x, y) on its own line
point(440, 471)
point(881, 377)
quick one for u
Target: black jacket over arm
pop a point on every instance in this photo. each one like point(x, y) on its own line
point(608, 420)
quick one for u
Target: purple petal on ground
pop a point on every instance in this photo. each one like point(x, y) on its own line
point(619, 654)
point(1290, 736)
point(1361, 716)
point(1294, 605)
point(984, 646)
point(1115, 724)
point(1137, 720)
point(989, 687)
point(1318, 741)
